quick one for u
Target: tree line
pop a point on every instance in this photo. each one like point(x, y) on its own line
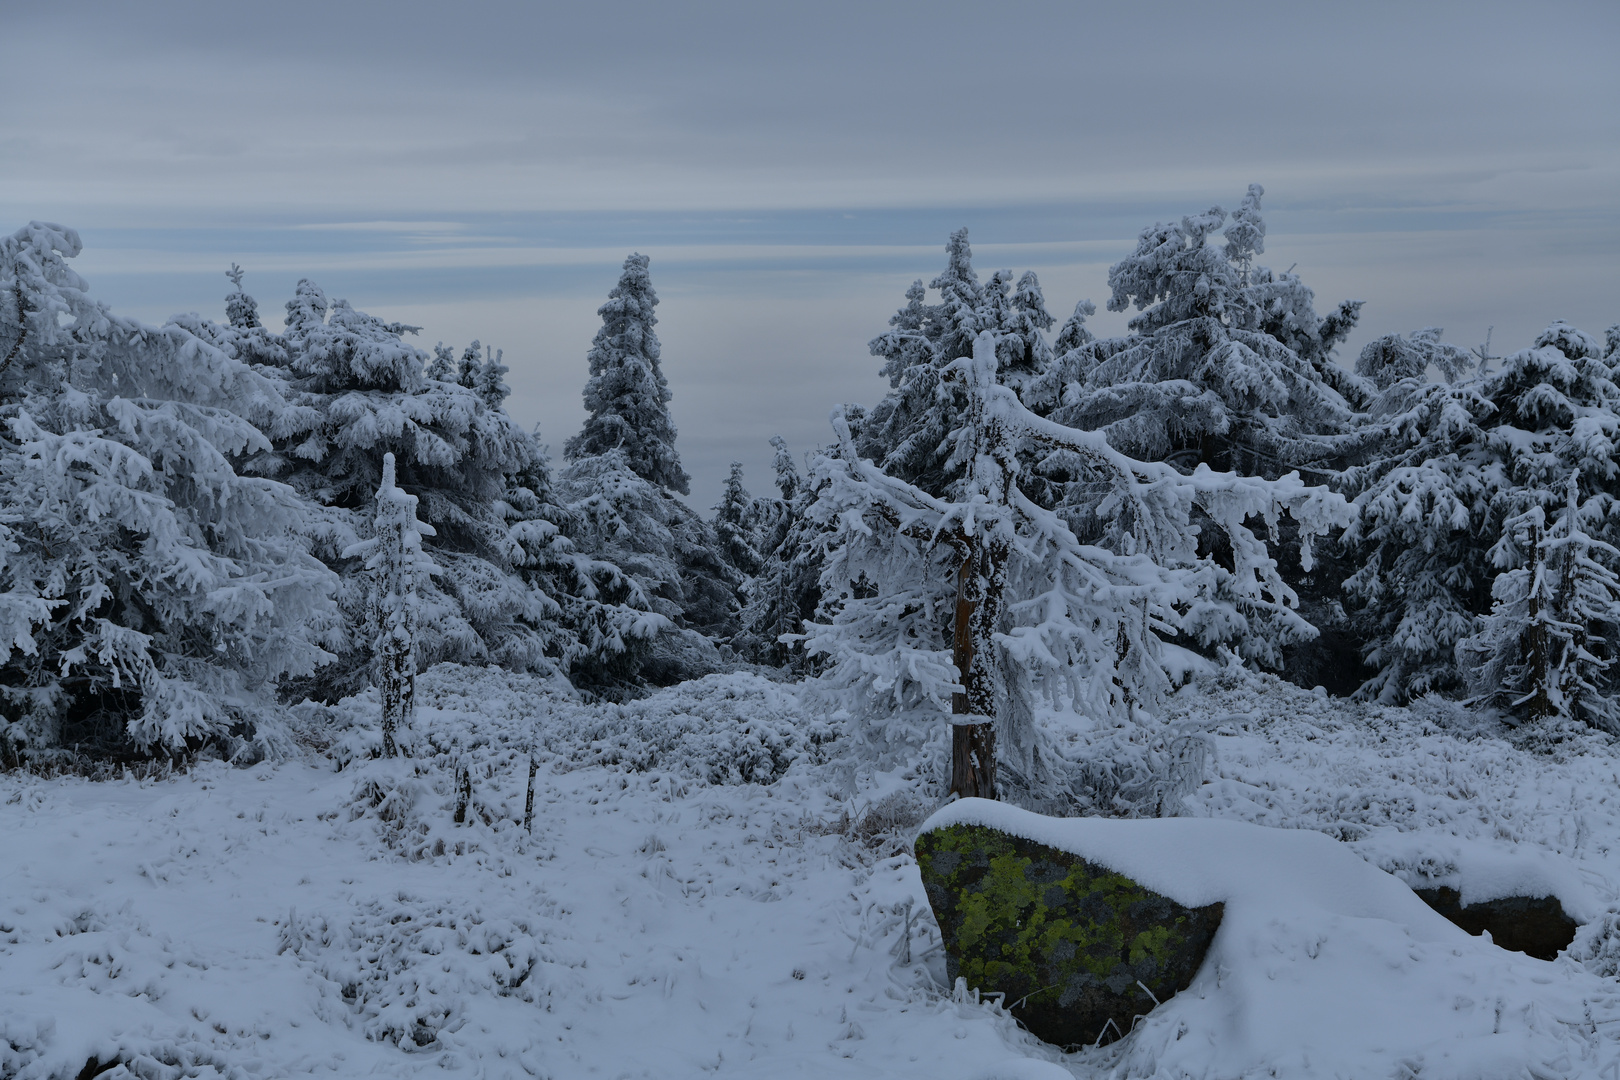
point(189, 514)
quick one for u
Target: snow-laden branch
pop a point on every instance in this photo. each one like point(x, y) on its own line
point(1099, 624)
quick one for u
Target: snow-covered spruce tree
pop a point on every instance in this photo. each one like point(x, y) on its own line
point(669, 553)
point(1423, 501)
point(1454, 463)
point(358, 391)
point(787, 589)
point(242, 336)
point(471, 362)
point(906, 432)
point(1392, 358)
point(1227, 365)
point(971, 597)
point(1544, 651)
point(442, 368)
point(151, 596)
point(490, 384)
point(627, 396)
point(397, 567)
point(736, 525)
point(597, 623)
point(622, 477)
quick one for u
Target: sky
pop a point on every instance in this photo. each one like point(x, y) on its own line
point(481, 169)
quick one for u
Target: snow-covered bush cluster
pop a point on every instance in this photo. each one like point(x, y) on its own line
point(721, 729)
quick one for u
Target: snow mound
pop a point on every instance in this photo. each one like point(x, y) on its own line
point(1482, 871)
point(1325, 965)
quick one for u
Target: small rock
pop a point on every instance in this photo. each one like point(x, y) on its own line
point(1533, 925)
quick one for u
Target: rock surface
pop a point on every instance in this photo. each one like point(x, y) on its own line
point(1534, 925)
point(1072, 945)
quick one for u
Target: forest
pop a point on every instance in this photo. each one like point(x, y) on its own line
point(346, 729)
point(192, 513)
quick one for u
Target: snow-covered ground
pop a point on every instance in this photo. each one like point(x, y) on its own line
point(672, 916)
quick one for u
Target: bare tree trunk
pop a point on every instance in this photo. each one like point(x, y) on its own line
point(973, 732)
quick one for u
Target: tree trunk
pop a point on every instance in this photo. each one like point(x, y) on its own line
point(1537, 641)
point(973, 733)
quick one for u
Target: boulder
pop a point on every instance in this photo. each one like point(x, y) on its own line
point(1074, 947)
point(1534, 925)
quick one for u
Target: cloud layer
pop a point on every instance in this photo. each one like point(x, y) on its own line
point(481, 169)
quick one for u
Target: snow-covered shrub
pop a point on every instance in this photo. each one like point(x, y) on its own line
point(1597, 945)
point(401, 797)
point(721, 729)
point(1109, 769)
point(887, 826)
point(732, 728)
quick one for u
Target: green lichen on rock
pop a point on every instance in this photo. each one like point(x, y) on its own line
point(1066, 940)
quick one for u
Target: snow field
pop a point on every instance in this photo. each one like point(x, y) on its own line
point(283, 921)
point(667, 918)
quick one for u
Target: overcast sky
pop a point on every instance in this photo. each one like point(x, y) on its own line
point(482, 169)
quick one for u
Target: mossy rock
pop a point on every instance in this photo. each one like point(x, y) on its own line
point(1065, 940)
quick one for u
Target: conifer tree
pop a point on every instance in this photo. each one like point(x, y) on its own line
point(1392, 358)
point(471, 360)
point(1543, 652)
point(151, 595)
point(627, 396)
point(359, 391)
point(786, 590)
point(735, 525)
point(241, 310)
point(596, 620)
point(442, 368)
point(397, 567)
point(1454, 463)
point(1074, 333)
point(1227, 364)
point(670, 553)
point(490, 386)
point(951, 605)
point(242, 336)
point(906, 431)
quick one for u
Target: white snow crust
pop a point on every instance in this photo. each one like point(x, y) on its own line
point(670, 918)
point(1197, 862)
